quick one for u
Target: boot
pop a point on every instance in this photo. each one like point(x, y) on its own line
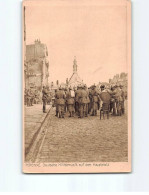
point(56, 113)
point(92, 113)
point(63, 115)
point(123, 111)
point(73, 114)
point(86, 114)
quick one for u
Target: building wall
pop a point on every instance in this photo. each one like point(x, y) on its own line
point(36, 50)
point(37, 65)
point(120, 79)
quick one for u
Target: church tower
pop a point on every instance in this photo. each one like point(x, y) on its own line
point(75, 65)
point(75, 80)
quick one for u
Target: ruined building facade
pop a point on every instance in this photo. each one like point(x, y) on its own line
point(37, 65)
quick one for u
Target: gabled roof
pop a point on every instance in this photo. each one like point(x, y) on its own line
point(75, 79)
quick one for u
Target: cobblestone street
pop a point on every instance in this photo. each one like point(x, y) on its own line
point(85, 140)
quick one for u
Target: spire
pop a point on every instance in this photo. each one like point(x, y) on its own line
point(75, 65)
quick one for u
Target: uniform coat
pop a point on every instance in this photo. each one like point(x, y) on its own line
point(94, 101)
point(70, 103)
point(60, 101)
point(44, 99)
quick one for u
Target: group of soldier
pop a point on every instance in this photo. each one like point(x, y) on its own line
point(31, 97)
point(85, 101)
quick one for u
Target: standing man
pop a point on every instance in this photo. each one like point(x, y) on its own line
point(55, 103)
point(94, 99)
point(65, 106)
point(25, 97)
point(123, 99)
point(60, 99)
point(76, 100)
point(44, 98)
point(32, 97)
point(105, 97)
point(36, 99)
point(120, 100)
point(77, 96)
point(117, 97)
point(81, 97)
point(87, 101)
point(29, 97)
point(90, 101)
point(70, 102)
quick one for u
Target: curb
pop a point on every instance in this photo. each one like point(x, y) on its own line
point(30, 150)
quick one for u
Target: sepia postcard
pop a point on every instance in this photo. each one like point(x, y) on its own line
point(76, 86)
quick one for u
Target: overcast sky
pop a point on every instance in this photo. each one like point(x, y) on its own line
point(95, 35)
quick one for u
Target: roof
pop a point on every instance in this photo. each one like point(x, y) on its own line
point(74, 79)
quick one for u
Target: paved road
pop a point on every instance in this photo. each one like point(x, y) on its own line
point(33, 119)
point(85, 140)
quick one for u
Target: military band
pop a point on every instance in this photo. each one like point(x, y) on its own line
point(81, 101)
point(84, 101)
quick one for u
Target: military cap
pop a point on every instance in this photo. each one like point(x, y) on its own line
point(60, 88)
point(79, 86)
point(102, 86)
point(92, 86)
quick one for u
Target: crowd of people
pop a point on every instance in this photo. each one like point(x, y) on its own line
point(34, 96)
point(84, 101)
point(31, 97)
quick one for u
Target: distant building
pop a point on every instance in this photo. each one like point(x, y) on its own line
point(75, 80)
point(120, 79)
point(37, 65)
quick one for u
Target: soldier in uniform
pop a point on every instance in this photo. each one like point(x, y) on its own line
point(60, 96)
point(123, 99)
point(70, 102)
point(94, 100)
point(81, 97)
point(87, 101)
point(117, 95)
point(113, 100)
point(90, 101)
point(25, 96)
point(119, 102)
point(29, 96)
point(44, 98)
point(65, 90)
point(76, 100)
point(32, 96)
point(36, 99)
point(105, 97)
point(55, 103)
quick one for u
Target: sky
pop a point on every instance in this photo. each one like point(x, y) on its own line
point(96, 35)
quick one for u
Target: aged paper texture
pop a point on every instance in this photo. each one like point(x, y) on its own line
point(76, 86)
